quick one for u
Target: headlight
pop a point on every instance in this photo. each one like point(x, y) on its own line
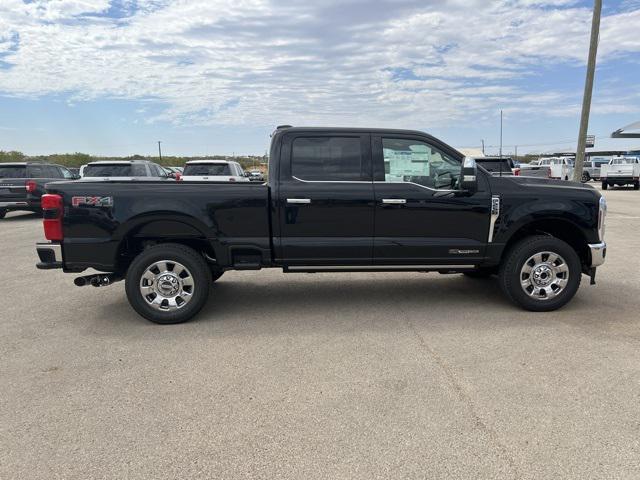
point(602, 213)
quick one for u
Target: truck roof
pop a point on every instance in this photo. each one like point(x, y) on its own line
point(348, 130)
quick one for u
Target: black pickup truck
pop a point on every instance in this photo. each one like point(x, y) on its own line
point(336, 200)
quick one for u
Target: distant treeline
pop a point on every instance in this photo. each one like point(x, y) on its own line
point(78, 159)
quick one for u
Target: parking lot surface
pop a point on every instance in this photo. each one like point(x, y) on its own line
point(396, 375)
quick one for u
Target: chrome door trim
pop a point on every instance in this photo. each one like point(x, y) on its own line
point(394, 201)
point(299, 201)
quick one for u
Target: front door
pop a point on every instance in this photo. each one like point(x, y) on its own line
point(421, 216)
point(325, 199)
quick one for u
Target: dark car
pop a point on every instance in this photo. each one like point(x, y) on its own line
point(22, 184)
point(337, 199)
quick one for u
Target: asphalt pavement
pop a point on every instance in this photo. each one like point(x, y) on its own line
point(327, 376)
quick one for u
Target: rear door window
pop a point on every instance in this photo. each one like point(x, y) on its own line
point(328, 159)
point(208, 170)
point(13, 171)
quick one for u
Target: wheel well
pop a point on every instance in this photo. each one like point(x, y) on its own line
point(561, 229)
point(155, 233)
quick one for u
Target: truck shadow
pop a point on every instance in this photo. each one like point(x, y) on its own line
point(20, 217)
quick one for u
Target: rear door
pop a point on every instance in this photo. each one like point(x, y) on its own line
point(421, 217)
point(325, 199)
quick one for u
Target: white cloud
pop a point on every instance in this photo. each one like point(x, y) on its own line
point(258, 62)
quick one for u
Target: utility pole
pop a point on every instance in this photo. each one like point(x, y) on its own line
point(500, 133)
point(482, 146)
point(588, 90)
point(160, 151)
point(516, 155)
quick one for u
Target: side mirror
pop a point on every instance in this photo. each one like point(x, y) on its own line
point(469, 176)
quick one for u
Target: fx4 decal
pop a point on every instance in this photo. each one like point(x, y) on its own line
point(92, 201)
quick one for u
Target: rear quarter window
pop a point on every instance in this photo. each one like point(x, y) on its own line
point(327, 159)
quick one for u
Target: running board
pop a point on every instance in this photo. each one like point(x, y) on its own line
point(376, 268)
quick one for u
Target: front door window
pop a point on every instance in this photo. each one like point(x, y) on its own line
point(417, 162)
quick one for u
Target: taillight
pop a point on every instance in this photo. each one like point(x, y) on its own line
point(516, 172)
point(549, 172)
point(31, 186)
point(52, 210)
point(178, 177)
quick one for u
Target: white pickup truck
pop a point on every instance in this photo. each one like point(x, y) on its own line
point(621, 171)
point(560, 168)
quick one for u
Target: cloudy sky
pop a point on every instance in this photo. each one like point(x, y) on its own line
point(215, 76)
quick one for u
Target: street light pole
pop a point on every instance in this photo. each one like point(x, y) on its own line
point(588, 91)
point(160, 151)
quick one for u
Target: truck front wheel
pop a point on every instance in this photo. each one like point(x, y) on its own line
point(540, 273)
point(605, 185)
point(168, 283)
point(3, 212)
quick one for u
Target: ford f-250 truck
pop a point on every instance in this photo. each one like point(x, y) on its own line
point(335, 200)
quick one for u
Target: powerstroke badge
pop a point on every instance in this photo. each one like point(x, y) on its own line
point(92, 201)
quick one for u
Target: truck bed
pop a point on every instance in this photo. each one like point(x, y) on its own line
point(229, 216)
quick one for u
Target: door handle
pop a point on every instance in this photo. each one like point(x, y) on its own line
point(394, 201)
point(299, 201)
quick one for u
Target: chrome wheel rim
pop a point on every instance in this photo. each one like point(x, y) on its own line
point(544, 275)
point(167, 285)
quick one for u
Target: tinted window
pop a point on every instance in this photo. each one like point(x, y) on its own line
point(36, 171)
point(13, 171)
point(495, 165)
point(106, 170)
point(418, 162)
point(206, 170)
point(327, 159)
point(66, 173)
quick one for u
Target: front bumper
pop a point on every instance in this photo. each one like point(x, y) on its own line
point(598, 253)
point(50, 255)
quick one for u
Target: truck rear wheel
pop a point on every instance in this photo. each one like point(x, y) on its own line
point(168, 283)
point(3, 212)
point(585, 177)
point(540, 273)
point(636, 185)
point(605, 185)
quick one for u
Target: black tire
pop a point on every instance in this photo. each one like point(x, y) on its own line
point(171, 252)
point(585, 177)
point(514, 260)
point(3, 212)
point(605, 185)
point(636, 185)
point(480, 273)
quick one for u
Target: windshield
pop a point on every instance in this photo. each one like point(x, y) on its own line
point(108, 170)
point(213, 169)
point(13, 171)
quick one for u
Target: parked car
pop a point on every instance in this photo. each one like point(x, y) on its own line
point(337, 200)
point(255, 176)
point(213, 171)
point(173, 170)
point(621, 171)
point(22, 184)
point(500, 166)
point(558, 168)
point(121, 169)
point(592, 168)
